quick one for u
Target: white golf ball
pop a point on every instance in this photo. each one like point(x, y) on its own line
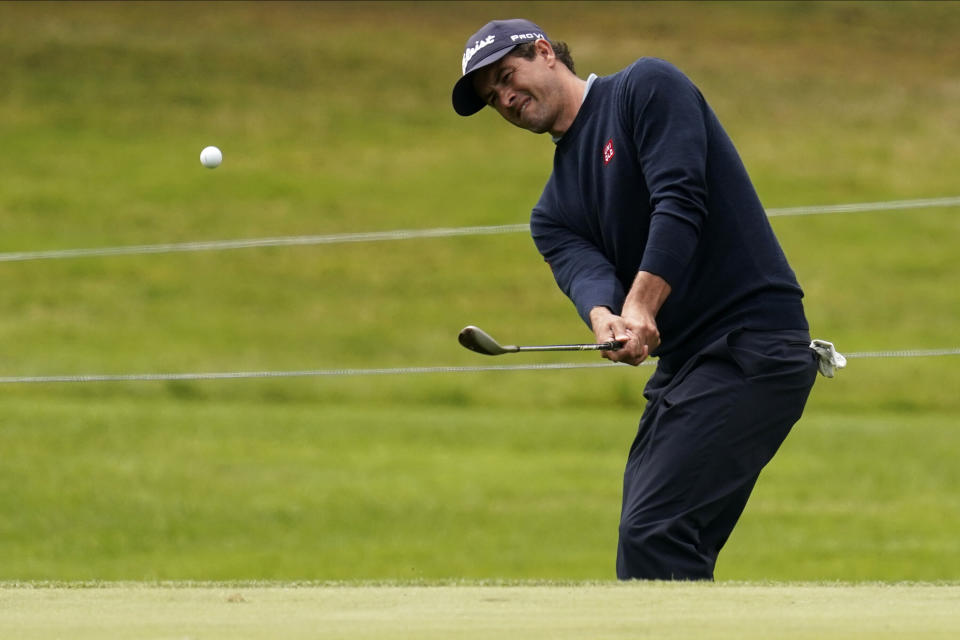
point(211, 157)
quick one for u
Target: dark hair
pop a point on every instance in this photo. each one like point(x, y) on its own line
point(562, 51)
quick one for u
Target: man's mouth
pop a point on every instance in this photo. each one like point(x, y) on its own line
point(523, 106)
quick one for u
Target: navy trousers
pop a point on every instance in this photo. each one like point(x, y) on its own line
point(708, 429)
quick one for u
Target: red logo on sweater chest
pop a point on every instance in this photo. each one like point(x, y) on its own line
point(608, 152)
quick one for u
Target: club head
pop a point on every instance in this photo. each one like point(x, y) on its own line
point(478, 340)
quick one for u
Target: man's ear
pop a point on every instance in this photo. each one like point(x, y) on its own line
point(545, 49)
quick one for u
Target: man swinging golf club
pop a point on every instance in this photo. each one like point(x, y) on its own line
point(653, 229)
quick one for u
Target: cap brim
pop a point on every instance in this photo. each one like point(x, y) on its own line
point(466, 102)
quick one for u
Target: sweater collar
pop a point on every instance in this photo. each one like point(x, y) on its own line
point(586, 90)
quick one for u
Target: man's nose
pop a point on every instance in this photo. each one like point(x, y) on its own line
point(507, 96)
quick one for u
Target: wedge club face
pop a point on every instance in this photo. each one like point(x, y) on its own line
point(478, 340)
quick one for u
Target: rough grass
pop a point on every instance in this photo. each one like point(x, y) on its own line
point(335, 117)
point(141, 488)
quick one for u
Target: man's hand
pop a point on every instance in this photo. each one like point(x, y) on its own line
point(638, 336)
point(636, 326)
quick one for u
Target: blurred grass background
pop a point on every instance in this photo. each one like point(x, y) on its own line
point(335, 117)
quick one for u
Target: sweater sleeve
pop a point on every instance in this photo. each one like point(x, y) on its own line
point(666, 112)
point(580, 269)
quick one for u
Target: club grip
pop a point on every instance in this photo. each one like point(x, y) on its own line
point(613, 345)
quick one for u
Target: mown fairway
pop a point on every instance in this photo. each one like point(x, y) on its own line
point(336, 118)
point(532, 612)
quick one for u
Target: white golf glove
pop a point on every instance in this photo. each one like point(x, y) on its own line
point(830, 360)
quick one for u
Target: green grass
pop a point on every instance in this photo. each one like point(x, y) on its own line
point(191, 490)
point(335, 117)
point(738, 611)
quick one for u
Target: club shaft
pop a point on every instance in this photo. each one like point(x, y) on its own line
point(605, 346)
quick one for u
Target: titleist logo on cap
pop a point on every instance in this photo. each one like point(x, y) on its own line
point(472, 51)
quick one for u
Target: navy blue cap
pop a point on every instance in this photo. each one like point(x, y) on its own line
point(495, 40)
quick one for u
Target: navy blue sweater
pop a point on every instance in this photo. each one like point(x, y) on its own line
point(646, 179)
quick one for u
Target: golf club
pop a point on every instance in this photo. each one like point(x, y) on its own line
point(478, 340)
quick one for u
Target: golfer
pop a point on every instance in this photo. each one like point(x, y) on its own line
point(653, 229)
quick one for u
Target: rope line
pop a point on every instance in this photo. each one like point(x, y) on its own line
point(865, 206)
point(914, 353)
point(285, 241)
point(410, 234)
point(235, 375)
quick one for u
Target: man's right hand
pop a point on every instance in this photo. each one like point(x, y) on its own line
point(637, 332)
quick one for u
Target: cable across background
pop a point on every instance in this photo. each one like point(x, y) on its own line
point(411, 234)
point(407, 235)
point(239, 375)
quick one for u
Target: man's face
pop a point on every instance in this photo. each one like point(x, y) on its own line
point(525, 92)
